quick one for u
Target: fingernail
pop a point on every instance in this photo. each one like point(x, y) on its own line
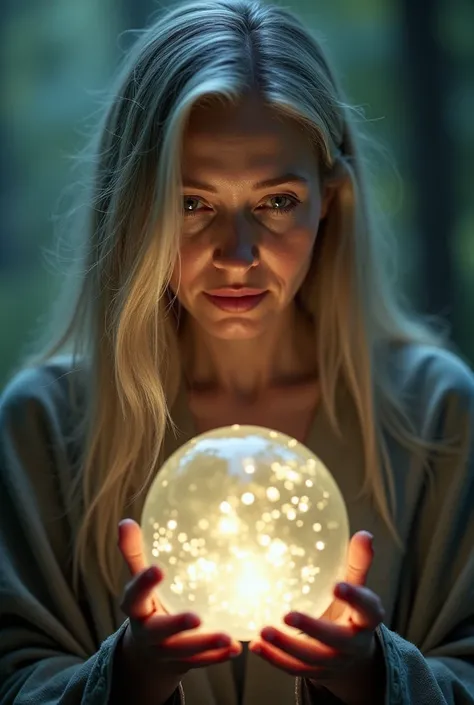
point(294, 620)
point(151, 574)
point(269, 635)
point(343, 589)
point(191, 621)
point(222, 643)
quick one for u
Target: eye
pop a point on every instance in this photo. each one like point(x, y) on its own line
point(277, 209)
point(282, 209)
point(188, 207)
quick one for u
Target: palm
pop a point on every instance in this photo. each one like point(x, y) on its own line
point(340, 640)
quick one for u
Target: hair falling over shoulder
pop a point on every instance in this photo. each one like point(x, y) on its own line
point(115, 315)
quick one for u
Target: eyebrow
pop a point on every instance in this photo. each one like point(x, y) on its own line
point(290, 178)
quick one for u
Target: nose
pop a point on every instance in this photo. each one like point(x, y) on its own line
point(238, 248)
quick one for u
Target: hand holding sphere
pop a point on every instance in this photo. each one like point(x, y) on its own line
point(247, 524)
point(252, 533)
point(158, 648)
point(339, 650)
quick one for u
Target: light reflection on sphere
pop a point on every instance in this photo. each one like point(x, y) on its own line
point(247, 525)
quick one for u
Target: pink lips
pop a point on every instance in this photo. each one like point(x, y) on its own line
point(236, 300)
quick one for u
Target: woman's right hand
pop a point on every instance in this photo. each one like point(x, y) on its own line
point(165, 643)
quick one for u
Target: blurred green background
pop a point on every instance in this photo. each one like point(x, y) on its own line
point(408, 64)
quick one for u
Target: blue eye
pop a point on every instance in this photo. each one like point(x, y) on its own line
point(279, 210)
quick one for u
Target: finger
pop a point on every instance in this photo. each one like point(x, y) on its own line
point(161, 627)
point(310, 651)
point(367, 608)
point(327, 638)
point(359, 558)
point(130, 542)
point(211, 658)
point(284, 661)
point(138, 602)
point(187, 646)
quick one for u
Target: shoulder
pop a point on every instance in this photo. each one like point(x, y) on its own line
point(428, 380)
point(418, 366)
point(49, 390)
point(39, 456)
point(40, 443)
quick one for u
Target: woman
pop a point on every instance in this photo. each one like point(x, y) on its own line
point(230, 272)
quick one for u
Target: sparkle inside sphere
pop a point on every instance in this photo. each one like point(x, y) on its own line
point(247, 525)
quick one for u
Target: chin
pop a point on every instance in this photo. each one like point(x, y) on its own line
point(236, 329)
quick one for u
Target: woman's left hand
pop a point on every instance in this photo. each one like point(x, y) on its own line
point(342, 642)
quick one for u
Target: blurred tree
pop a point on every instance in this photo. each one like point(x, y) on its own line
point(9, 182)
point(427, 75)
point(8, 202)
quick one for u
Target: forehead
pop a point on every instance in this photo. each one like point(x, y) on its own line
point(248, 135)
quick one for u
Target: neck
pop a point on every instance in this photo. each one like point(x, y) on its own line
point(246, 368)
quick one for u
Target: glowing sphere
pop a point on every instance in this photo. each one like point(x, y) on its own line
point(247, 525)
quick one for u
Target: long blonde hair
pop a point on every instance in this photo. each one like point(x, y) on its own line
point(114, 314)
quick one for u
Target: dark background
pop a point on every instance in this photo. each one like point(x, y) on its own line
point(407, 64)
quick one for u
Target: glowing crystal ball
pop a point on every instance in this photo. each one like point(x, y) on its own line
point(247, 524)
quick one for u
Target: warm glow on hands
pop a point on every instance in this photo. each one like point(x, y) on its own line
point(247, 525)
point(339, 650)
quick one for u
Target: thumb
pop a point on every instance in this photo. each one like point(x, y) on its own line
point(359, 558)
point(130, 543)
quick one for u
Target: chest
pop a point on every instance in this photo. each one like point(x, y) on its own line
point(289, 411)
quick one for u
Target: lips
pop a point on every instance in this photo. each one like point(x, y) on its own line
point(239, 300)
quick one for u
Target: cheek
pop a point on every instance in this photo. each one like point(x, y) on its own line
point(292, 254)
point(193, 261)
point(290, 258)
point(295, 250)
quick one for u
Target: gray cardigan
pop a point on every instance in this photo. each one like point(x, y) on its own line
point(55, 650)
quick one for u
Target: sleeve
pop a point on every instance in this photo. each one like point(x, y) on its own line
point(50, 651)
point(47, 651)
point(428, 650)
point(429, 653)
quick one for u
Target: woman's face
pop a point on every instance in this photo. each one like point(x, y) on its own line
point(252, 205)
